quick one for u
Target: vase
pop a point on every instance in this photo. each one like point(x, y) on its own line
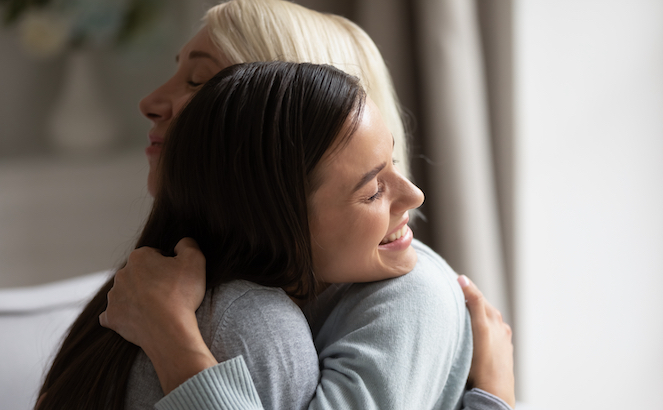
point(81, 122)
point(28, 90)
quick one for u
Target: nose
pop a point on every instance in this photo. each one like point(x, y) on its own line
point(408, 196)
point(157, 106)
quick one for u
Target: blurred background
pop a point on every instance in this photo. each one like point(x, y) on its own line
point(536, 133)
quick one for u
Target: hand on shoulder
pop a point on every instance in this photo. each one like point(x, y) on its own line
point(492, 362)
point(153, 304)
point(152, 291)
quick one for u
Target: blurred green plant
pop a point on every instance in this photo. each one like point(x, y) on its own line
point(48, 27)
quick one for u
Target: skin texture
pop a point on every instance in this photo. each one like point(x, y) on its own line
point(164, 324)
point(492, 362)
point(349, 217)
point(154, 298)
point(161, 318)
point(197, 62)
point(362, 199)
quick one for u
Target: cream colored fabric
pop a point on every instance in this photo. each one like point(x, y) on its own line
point(33, 321)
point(456, 117)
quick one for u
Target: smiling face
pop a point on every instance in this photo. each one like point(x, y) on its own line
point(198, 61)
point(359, 213)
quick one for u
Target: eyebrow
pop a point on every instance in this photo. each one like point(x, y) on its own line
point(198, 54)
point(369, 176)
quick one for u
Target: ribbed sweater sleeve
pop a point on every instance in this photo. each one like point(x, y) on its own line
point(397, 344)
point(477, 399)
point(227, 385)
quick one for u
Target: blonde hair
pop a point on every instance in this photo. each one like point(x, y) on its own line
point(268, 30)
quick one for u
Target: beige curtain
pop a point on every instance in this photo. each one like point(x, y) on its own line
point(462, 180)
point(451, 62)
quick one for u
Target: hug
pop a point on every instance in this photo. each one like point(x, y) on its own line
point(277, 268)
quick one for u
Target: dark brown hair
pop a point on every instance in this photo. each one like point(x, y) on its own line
point(235, 174)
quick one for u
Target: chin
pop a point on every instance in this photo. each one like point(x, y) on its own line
point(403, 264)
point(152, 183)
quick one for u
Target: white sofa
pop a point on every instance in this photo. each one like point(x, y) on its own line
point(33, 321)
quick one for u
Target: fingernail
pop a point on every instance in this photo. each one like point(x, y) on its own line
point(464, 281)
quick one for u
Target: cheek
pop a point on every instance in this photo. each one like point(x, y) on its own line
point(329, 233)
point(152, 181)
point(345, 245)
point(180, 103)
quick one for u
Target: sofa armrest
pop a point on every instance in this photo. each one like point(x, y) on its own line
point(33, 321)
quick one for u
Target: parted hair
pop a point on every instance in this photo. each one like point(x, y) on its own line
point(270, 30)
point(236, 172)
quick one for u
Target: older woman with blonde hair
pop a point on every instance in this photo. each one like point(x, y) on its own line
point(243, 31)
point(398, 343)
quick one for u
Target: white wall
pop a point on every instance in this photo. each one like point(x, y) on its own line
point(589, 104)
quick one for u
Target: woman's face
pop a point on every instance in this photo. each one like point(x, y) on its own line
point(198, 61)
point(358, 215)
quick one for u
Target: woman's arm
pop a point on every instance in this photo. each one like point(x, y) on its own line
point(153, 303)
point(253, 329)
point(492, 362)
point(397, 344)
point(342, 368)
point(265, 328)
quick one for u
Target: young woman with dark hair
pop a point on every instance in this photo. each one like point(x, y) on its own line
point(283, 175)
point(395, 344)
point(237, 173)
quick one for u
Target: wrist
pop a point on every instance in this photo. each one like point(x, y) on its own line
point(505, 393)
point(178, 352)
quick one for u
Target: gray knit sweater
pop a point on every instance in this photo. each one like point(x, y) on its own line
point(262, 327)
point(402, 343)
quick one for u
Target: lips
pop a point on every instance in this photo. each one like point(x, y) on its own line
point(400, 232)
point(398, 239)
point(154, 149)
point(401, 243)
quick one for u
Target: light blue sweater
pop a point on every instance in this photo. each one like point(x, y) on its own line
point(402, 343)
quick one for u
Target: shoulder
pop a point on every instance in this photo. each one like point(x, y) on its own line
point(240, 309)
point(412, 334)
point(429, 290)
point(430, 266)
point(426, 303)
point(430, 276)
point(223, 297)
point(264, 326)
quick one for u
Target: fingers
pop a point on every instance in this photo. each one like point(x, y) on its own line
point(474, 298)
point(103, 319)
point(492, 360)
point(139, 255)
point(188, 253)
point(107, 317)
point(41, 399)
point(186, 245)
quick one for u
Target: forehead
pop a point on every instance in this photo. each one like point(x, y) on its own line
point(370, 146)
point(201, 42)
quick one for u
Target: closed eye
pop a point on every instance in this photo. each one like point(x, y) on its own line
point(377, 194)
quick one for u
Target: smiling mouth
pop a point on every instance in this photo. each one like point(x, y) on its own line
point(154, 149)
point(394, 236)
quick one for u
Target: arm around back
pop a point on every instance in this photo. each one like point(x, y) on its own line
point(402, 343)
point(265, 350)
point(399, 344)
point(269, 331)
